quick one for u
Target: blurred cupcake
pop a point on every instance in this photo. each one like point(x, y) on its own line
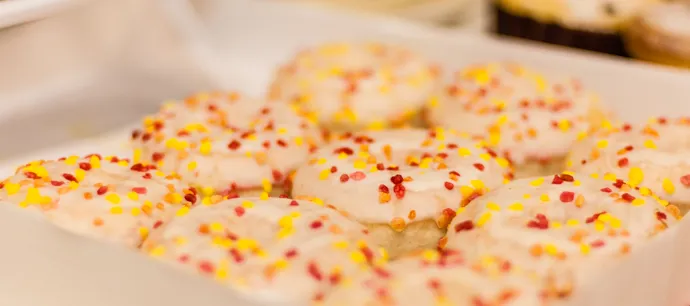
point(661, 34)
point(584, 24)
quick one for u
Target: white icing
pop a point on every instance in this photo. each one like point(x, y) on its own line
point(671, 18)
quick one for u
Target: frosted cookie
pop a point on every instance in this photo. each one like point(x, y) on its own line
point(518, 112)
point(562, 228)
point(655, 155)
point(594, 25)
point(108, 198)
point(355, 86)
point(226, 143)
point(661, 34)
point(404, 185)
point(439, 278)
point(274, 250)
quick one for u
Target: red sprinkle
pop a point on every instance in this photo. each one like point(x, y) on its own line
point(56, 183)
point(397, 179)
point(448, 185)
point(557, 180)
point(594, 217)
point(479, 166)
point(567, 177)
point(567, 196)
point(291, 253)
point(85, 166)
point(358, 176)
point(157, 156)
point(464, 226)
point(102, 190)
point(236, 255)
point(239, 211)
point(234, 145)
point(606, 189)
point(383, 188)
point(685, 180)
point(294, 203)
point(69, 177)
point(334, 169)
point(139, 190)
point(540, 222)
point(627, 197)
point(314, 271)
point(399, 191)
point(660, 216)
point(190, 198)
point(345, 150)
point(206, 267)
point(316, 224)
point(597, 243)
point(344, 178)
point(623, 162)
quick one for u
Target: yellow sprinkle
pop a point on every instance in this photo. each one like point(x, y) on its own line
point(594, 175)
point(602, 144)
point(610, 177)
point(216, 227)
point(635, 176)
point(616, 223)
point(281, 264)
point(645, 191)
point(555, 224)
point(425, 163)
point(550, 249)
point(668, 186)
point(205, 147)
point(484, 218)
point(321, 161)
point(12, 188)
point(564, 125)
point(599, 225)
point(430, 255)
point(637, 202)
point(299, 141)
point(537, 182)
point(116, 210)
point(493, 206)
point(502, 162)
point(72, 160)
point(577, 183)
point(143, 232)
point(157, 251)
point(376, 125)
point(133, 196)
point(285, 232)
point(526, 196)
point(182, 211)
point(359, 164)
point(285, 221)
point(136, 155)
point(464, 152)
point(585, 248)
point(264, 196)
point(79, 174)
point(485, 156)
point(649, 144)
point(244, 244)
point(544, 197)
point(281, 131)
point(358, 257)
point(581, 135)
point(466, 191)
point(113, 198)
point(247, 204)
point(341, 245)
point(433, 101)
point(266, 185)
point(73, 185)
point(572, 222)
point(191, 166)
point(477, 184)
point(136, 211)
point(516, 206)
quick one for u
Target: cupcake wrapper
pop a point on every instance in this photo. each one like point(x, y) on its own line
point(528, 28)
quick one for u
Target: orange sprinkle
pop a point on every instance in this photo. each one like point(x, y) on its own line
point(536, 250)
point(398, 224)
point(98, 222)
point(88, 195)
point(412, 215)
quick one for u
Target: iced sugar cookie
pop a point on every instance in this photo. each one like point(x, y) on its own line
point(109, 199)
point(562, 228)
point(518, 112)
point(356, 86)
point(226, 143)
point(405, 185)
point(274, 250)
point(654, 155)
point(439, 278)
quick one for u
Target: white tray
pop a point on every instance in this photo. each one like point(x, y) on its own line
point(44, 266)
